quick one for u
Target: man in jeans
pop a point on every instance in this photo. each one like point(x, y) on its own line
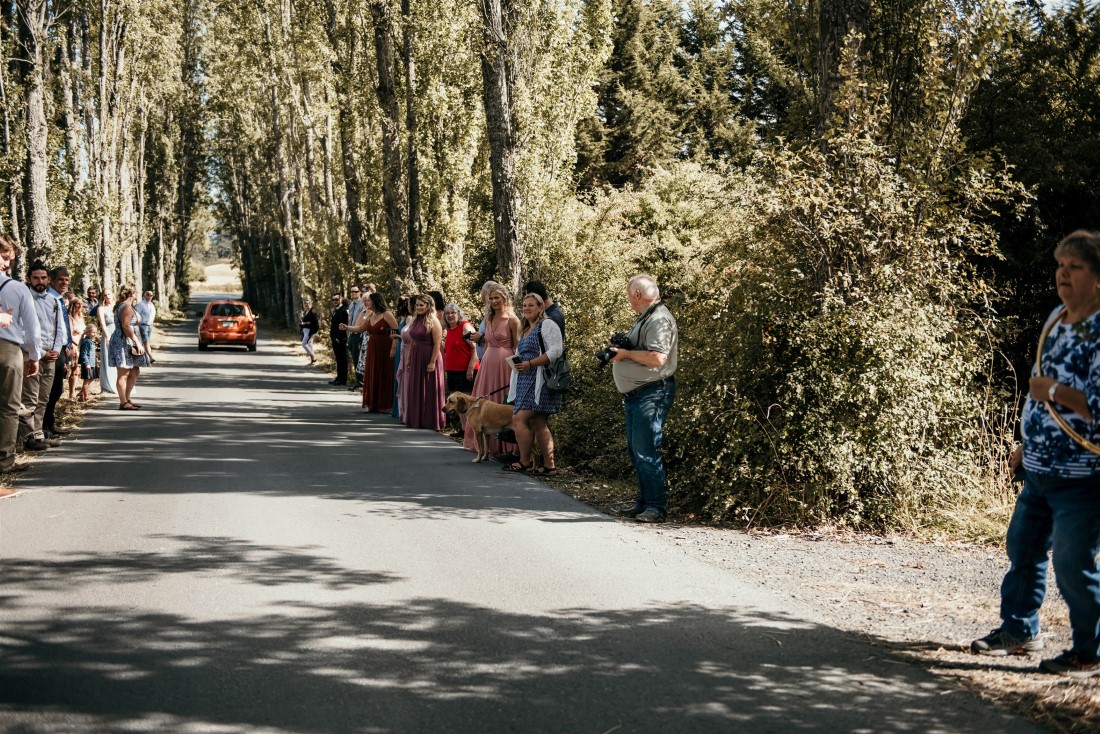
point(52, 319)
point(645, 375)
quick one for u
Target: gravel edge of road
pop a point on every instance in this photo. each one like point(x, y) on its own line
point(919, 601)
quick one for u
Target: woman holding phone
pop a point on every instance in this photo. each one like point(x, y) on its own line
point(540, 343)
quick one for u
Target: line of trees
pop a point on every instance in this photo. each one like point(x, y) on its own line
point(850, 204)
point(101, 164)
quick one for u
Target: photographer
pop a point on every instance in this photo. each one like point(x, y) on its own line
point(645, 375)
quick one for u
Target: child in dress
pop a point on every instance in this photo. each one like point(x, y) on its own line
point(89, 372)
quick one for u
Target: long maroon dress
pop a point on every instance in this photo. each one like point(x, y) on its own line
point(378, 370)
point(424, 391)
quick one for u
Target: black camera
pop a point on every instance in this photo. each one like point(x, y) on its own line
point(619, 340)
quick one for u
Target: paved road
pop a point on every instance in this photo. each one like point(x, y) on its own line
point(249, 553)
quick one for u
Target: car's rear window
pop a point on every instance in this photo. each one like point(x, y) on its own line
point(227, 309)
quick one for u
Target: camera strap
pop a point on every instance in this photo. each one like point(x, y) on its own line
point(641, 320)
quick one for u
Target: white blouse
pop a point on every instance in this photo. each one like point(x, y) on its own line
point(551, 339)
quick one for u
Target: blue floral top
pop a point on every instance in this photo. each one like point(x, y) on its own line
point(1071, 355)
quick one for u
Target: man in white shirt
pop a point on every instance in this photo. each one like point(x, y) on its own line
point(19, 352)
point(52, 336)
point(147, 312)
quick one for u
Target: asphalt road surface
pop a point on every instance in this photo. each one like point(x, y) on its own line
point(250, 553)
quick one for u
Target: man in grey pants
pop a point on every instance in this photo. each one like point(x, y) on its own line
point(52, 319)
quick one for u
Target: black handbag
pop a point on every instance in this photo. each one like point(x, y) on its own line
point(558, 377)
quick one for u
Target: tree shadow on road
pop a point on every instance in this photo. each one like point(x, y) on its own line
point(239, 560)
point(433, 664)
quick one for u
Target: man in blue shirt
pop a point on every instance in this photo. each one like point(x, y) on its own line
point(52, 318)
point(59, 284)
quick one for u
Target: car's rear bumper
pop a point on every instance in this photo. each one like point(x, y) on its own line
point(227, 337)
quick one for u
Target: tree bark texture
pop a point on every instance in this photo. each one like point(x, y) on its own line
point(344, 55)
point(192, 163)
point(414, 223)
point(292, 304)
point(498, 77)
point(393, 190)
point(37, 237)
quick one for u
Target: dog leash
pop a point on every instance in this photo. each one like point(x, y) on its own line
point(494, 392)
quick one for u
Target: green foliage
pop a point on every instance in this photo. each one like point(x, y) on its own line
point(1039, 112)
point(837, 349)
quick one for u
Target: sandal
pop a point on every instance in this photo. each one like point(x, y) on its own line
point(545, 471)
point(129, 406)
point(517, 467)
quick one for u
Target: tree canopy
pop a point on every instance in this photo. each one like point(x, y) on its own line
point(849, 204)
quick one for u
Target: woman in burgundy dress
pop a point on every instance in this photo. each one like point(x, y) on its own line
point(377, 323)
point(423, 371)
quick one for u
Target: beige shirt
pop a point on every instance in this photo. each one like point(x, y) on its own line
point(653, 331)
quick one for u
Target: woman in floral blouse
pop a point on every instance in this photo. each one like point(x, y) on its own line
point(1059, 506)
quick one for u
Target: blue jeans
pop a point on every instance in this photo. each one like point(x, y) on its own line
point(646, 411)
point(1062, 515)
point(145, 331)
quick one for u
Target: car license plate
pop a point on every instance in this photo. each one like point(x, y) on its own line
point(228, 324)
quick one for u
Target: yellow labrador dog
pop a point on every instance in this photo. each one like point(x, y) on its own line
point(484, 416)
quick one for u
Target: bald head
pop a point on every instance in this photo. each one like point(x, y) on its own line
point(643, 288)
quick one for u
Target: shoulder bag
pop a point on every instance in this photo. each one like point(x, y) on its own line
point(558, 378)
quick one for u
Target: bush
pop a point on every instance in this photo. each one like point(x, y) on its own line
point(836, 351)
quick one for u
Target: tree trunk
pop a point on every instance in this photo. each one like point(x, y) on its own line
point(293, 303)
point(414, 223)
point(5, 150)
point(393, 195)
point(840, 23)
point(498, 78)
point(192, 165)
point(35, 23)
point(70, 100)
point(343, 68)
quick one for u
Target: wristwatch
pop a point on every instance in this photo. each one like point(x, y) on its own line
point(1053, 389)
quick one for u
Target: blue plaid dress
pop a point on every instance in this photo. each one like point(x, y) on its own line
point(548, 402)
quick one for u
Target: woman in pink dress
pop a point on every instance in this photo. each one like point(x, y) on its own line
point(500, 339)
point(424, 373)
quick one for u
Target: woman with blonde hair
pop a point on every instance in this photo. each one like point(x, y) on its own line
point(126, 352)
point(500, 339)
point(540, 343)
point(77, 325)
point(105, 314)
point(423, 368)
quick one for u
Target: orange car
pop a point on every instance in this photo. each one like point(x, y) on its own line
point(228, 322)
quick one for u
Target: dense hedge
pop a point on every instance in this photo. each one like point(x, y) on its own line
point(837, 356)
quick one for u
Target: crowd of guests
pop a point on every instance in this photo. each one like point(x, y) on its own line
point(409, 357)
point(51, 339)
